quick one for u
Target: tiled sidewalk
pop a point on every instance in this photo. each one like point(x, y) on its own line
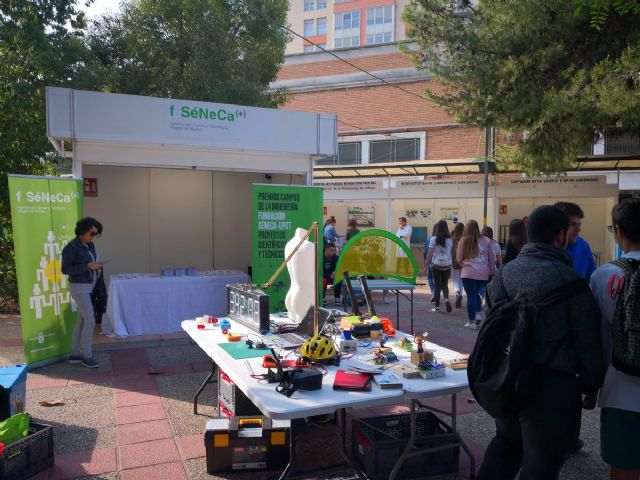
point(121, 422)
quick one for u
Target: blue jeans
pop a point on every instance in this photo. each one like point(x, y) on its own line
point(474, 302)
point(430, 281)
point(82, 344)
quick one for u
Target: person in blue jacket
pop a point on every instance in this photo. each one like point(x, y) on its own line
point(578, 247)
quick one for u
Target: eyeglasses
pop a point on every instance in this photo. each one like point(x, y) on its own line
point(610, 228)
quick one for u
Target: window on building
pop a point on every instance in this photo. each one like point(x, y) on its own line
point(346, 28)
point(321, 4)
point(394, 150)
point(309, 5)
point(349, 153)
point(380, 24)
point(309, 48)
point(321, 26)
point(322, 45)
point(309, 28)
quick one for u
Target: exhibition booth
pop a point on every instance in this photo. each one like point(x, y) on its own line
point(379, 202)
point(171, 181)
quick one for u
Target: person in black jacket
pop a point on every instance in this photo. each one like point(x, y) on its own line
point(80, 262)
point(329, 263)
point(517, 240)
point(566, 365)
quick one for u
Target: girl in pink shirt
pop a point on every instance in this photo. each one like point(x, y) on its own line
point(478, 261)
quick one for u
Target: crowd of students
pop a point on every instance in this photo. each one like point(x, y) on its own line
point(573, 344)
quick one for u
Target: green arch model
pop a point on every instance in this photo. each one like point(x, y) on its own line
point(377, 253)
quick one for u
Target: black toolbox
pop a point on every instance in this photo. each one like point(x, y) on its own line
point(246, 443)
point(231, 400)
point(378, 442)
point(25, 458)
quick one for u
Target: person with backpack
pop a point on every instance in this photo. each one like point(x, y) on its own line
point(478, 261)
point(616, 287)
point(439, 259)
point(538, 357)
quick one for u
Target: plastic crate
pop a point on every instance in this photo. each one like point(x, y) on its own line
point(233, 399)
point(28, 456)
point(378, 442)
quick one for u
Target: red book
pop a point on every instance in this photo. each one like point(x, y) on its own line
point(352, 381)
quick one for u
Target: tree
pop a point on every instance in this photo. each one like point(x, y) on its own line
point(211, 50)
point(40, 45)
point(563, 72)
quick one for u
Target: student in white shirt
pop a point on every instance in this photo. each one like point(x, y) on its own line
point(619, 396)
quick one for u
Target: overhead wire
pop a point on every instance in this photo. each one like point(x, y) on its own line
point(333, 54)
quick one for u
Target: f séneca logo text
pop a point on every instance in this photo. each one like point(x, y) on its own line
point(204, 113)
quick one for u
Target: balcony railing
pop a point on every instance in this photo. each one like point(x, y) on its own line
point(615, 144)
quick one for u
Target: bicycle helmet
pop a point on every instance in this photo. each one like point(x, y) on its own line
point(318, 349)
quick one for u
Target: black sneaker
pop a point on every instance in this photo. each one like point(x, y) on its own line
point(90, 363)
point(458, 301)
point(447, 304)
point(433, 299)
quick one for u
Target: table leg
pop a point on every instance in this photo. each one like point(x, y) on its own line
point(207, 381)
point(292, 457)
point(397, 310)
point(342, 430)
point(411, 312)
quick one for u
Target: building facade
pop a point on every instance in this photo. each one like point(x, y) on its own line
point(400, 154)
point(343, 24)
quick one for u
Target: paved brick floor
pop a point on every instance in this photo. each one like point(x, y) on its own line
point(120, 422)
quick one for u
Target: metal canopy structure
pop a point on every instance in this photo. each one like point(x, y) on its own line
point(608, 162)
point(596, 163)
point(404, 169)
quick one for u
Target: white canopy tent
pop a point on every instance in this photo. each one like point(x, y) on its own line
point(171, 179)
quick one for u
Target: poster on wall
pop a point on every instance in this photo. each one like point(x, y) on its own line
point(278, 210)
point(418, 213)
point(44, 212)
point(365, 216)
point(450, 214)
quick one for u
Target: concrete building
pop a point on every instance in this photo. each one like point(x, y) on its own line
point(343, 23)
point(401, 154)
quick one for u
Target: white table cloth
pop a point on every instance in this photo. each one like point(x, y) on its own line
point(153, 304)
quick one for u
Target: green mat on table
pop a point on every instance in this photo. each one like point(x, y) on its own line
point(241, 351)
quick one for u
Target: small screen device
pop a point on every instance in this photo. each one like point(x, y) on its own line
point(249, 306)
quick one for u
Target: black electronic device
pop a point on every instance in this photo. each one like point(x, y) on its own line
point(249, 306)
point(352, 295)
point(295, 379)
point(365, 329)
point(367, 295)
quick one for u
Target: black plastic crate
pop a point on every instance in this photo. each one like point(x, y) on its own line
point(28, 456)
point(378, 442)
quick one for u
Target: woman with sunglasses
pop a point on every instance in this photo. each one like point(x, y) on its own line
point(80, 263)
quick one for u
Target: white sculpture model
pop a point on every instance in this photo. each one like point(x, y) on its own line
point(301, 295)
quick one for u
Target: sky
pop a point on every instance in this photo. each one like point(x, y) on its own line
point(98, 7)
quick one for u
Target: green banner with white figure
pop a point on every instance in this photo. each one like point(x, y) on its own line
point(44, 212)
point(278, 210)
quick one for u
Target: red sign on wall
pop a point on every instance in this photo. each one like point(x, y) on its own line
point(90, 187)
point(503, 209)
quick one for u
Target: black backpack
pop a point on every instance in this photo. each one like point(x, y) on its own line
point(503, 346)
point(625, 328)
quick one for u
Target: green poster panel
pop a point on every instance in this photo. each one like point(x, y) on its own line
point(44, 212)
point(277, 211)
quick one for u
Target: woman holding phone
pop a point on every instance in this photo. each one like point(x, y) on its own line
point(80, 262)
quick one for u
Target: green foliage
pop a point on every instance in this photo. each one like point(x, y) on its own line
point(40, 45)
point(210, 50)
point(538, 67)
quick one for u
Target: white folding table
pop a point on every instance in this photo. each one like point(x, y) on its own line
point(152, 304)
point(303, 404)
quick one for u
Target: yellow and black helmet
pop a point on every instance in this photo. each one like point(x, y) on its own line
point(318, 348)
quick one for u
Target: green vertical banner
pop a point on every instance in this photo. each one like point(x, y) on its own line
point(278, 210)
point(44, 211)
